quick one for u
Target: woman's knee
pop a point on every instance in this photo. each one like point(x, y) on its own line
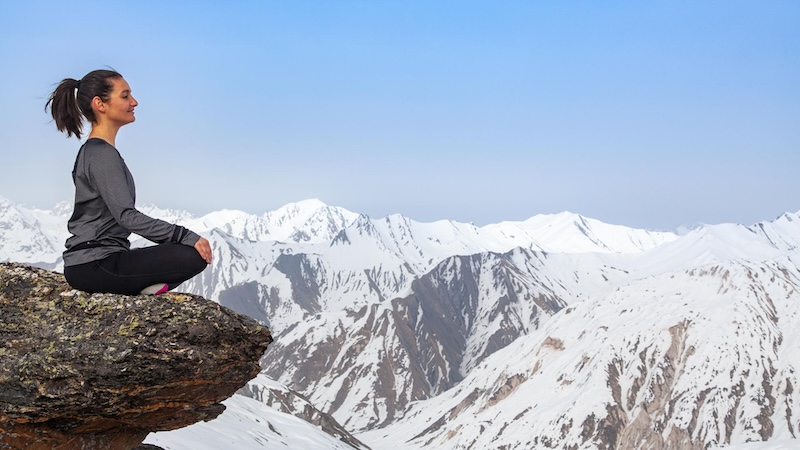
point(192, 259)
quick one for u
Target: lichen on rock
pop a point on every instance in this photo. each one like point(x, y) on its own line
point(87, 371)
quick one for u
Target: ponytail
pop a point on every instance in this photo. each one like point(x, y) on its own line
point(64, 107)
point(71, 101)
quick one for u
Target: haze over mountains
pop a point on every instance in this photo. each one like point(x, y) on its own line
point(555, 332)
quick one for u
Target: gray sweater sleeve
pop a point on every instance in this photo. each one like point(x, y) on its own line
point(109, 175)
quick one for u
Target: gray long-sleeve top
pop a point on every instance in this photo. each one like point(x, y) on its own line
point(105, 213)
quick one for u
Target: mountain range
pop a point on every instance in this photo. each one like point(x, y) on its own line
point(556, 332)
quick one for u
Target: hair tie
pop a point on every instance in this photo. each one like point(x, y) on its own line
point(78, 86)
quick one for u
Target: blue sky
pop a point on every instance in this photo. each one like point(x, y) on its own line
point(646, 114)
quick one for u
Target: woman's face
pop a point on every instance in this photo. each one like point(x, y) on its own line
point(120, 104)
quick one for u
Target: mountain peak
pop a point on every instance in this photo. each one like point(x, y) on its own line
point(312, 203)
point(302, 206)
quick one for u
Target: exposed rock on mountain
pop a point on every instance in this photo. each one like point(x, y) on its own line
point(100, 371)
point(414, 347)
point(688, 359)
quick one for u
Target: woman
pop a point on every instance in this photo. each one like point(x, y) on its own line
point(98, 256)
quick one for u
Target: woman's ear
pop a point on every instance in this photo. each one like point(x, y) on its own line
point(97, 104)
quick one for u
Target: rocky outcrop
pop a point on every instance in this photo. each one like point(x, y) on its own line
point(101, 371)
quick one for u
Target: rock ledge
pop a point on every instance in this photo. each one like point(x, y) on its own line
point(101, 371)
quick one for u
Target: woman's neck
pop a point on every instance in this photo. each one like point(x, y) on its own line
point(104, 132)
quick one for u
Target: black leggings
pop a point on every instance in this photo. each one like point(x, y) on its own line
point(131, 271)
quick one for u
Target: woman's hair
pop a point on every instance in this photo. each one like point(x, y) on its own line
point(73, 98)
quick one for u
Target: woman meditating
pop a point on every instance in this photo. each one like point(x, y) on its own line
point(98, 256)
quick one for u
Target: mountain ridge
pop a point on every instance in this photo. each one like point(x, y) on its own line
point(298, 223)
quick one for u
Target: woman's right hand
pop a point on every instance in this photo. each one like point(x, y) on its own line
point(204, 248)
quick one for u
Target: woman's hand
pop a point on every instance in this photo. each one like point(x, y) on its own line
point(204, 248)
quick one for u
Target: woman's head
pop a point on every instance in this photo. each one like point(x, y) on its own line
point(72, 99)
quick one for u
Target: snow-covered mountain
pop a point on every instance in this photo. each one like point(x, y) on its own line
point(679, 360)
point(556, 332)
point(306, 221)
point(30, 235)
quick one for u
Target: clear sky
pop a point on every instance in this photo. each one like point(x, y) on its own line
point(652, 114)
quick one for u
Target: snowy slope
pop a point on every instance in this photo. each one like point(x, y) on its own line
point(264, 414)
point(247, 424)
point(283, 399)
